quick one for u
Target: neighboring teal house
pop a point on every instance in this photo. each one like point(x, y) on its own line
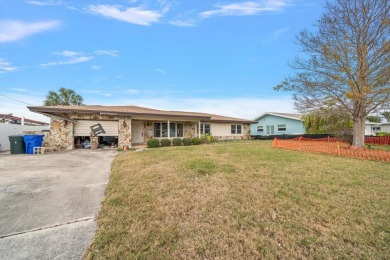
point(272, 123)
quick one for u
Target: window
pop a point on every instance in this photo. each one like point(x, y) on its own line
point(260, 128)
point(270, 130)
point(180, 130)
point(172, 130)
point(205, 129)
point(235, 129)
point(282, 128)
point(161, 130)
point(157, 130)
point(164, 128)
point(239, 129)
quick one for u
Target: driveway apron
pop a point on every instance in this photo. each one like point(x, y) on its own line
point(48, 203)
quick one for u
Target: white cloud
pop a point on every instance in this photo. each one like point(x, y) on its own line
point(19, 89)
point(161, 71)
point(247, 108)
point(95, 67)
point(13, 30)
point(69, 53)
point(113, 53)
point(184, 23)
point(73, 57)
point(246, 8)
point(72, 60)
point(5, 66)
point(96, 92)
point(42, 3)
point(10, 105)
point(134, 15)
point(275, 36)
point(132, 91)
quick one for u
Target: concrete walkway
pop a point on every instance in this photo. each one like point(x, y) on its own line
point(48, 203)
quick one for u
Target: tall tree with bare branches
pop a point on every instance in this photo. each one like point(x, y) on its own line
point(346, 63)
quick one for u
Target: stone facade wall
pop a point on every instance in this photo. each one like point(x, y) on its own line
point(124, 138)
point(60, 136)
point(148, 130)
point(246, 131)
point(190, 129)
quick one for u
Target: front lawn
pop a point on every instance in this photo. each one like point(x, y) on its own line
point(243, 200)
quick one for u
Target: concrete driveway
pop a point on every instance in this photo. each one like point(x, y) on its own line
point(48, 203)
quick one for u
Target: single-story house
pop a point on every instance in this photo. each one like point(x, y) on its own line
point(372, 128)
point(385, 127)
point(272, 123)
point(130, 125)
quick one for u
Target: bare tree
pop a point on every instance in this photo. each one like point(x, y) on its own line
point(346, 63)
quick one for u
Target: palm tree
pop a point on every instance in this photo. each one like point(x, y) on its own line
point(64, 97)
point(386, 115)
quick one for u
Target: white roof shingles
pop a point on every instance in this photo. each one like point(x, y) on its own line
point(285, 115)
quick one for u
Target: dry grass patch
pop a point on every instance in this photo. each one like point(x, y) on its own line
point(243, 200)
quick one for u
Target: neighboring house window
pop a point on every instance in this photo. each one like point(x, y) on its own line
point(282, 128)
point(236, 129)
point(204, 129)
point(260, 129)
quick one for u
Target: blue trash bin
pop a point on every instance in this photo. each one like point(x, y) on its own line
point(32, 141)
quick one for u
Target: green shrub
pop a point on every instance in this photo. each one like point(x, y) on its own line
point(153, 143)
point(177, 141)
point(165, 142)
point(208, 139)
point(187, 141)
point(382, 134)
point(196, 141)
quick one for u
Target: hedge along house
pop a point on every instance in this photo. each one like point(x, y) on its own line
point(131, 125)
point(272, 123)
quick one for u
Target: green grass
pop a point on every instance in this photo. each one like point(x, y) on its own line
point(243, 200)
point(379, 147)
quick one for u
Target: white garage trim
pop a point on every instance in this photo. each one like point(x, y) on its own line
point(83, 127)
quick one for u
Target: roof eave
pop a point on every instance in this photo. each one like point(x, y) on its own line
point(67, 111)
point(272, 114)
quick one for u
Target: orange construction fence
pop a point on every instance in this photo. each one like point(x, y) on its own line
point(335, 148)
point(378, 140)
point(325, 139)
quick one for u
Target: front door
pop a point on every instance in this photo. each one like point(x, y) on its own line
point(137, 132)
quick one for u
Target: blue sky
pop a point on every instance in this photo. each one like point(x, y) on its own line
point(215, 56)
